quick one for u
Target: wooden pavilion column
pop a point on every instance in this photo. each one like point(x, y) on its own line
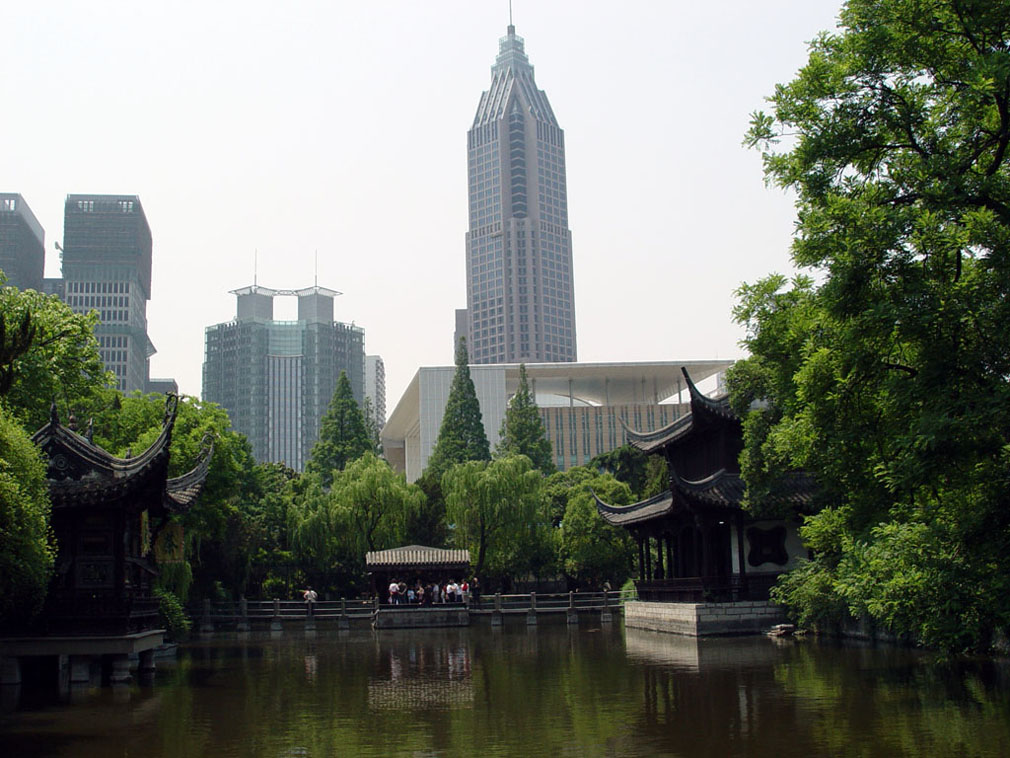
point(741, 556)
point(699, 548)
point(641, 558)
point(671, 571)
point(660, 573)
point(648, 558)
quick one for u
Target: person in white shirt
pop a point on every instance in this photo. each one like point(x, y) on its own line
point(310, 600)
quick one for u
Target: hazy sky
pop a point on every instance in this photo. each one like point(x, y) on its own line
point(339, 127)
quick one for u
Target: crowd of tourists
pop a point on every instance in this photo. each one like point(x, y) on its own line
point(430, 593)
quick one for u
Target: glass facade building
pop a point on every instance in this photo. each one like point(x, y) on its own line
point(276, 378)
point(107, 268)
point(520, 287)
point(22, 243)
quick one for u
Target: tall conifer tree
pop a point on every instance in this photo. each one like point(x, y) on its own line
point(522, 429)
point(461, 437)
point(343, 437)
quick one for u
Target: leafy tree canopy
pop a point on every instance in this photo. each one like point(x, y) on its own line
point(59, 362)
point(592, 551)
point(488, 503)
point(461, 437)
point(887, 377)
point(522, 430)
point(26, 548)
point(343, 436)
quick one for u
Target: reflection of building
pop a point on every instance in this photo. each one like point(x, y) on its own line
point(375, 387)
point(22, 243)
point(107, 268)
point(698, 548)
point(276, 378)
point(520, 294)
point(583, 405)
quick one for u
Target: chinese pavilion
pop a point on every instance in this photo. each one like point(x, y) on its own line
point(107, 515)
point(696, 543)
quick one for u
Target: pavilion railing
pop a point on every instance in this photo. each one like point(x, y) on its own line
point(706, 589)
point(260, 611)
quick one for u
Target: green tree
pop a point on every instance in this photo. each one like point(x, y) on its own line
point(61, 361)
point(592, 551)
point(488, 504)
point(461, 437)
point(888, 377)
point(343, 437)
point(646, 475)
point(26, 547)
point(372, 428)
point(522, 429)
point(364, 510)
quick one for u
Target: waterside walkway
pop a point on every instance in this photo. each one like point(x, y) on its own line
point(276, 615)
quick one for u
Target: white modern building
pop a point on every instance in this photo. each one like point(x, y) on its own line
point(584, 406)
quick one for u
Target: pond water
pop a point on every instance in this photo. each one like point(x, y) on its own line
point(517, 691)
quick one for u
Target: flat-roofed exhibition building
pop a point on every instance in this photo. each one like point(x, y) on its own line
point(582, 405)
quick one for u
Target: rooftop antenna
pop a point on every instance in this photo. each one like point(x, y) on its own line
point(256, 255)
point(510, 14)
point(317, 267)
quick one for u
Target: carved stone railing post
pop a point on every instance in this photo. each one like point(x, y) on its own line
point(343, 622)
point(243, 615)
point(531, 614)
point(275, 622)
point(206, 625)
point(606, 616)
point(572, 615)
point(496, 619)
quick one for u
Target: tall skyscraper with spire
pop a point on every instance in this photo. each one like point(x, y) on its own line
point(520, 292)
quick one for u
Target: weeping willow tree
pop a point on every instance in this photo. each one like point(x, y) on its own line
point(365, 509)
point(492, 506)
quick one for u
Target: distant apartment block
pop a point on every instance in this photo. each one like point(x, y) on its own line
point(375, 387)
point(584, 406)
point(107, 268)
point(276, 378)
point(22, 243)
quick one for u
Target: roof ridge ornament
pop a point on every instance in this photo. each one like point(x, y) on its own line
point(171, 408)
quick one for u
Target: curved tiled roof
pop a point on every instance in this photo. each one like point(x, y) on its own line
point(702, 407)
point(182, 491)
point(82, 473)
point(723, 490)
point(417, 556)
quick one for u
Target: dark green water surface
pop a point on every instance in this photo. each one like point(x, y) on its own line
point(543, 691)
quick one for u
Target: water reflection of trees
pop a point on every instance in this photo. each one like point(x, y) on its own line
point(755, 698)
point(553, 690)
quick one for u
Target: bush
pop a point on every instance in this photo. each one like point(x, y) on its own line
point(173, 615)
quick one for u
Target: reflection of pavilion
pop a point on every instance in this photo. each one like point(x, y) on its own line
point(421, 675)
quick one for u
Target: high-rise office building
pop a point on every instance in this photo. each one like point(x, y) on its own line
point(107, 268)
point(22, 243)
point(375, 387)
point(520, 292)
point(276, 378)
